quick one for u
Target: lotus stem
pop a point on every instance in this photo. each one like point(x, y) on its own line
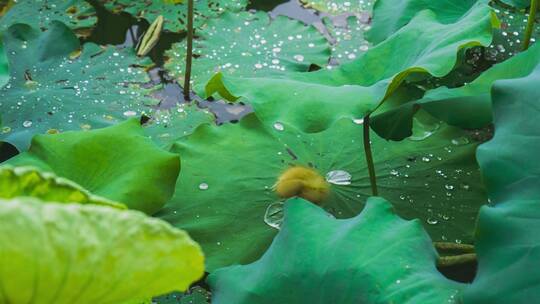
point(369, 158)
point(449, 246)
point(189, 55)
point(530, 24)
point(448, 261)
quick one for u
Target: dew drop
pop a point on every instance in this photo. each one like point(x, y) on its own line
point(432, 221)
point(274, 214)
point(27, 123)
point(339, 177)
point(130, 113)
point(279, 126)
point(460, 141)
point(203, 186)
point(358, 121)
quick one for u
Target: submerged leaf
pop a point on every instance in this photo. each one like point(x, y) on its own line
point(507, 233)
point(55, 88)
point(118, 163)
point(87, 254)
point(247, 45)
point(224, 197)
point(375, 257)
point(26, 181)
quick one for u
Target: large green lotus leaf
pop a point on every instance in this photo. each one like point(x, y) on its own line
point(71, 253)
point(49, 92)
point(26, 181)
point(168, 125)
point(338, 7)
point(174, 12)
point(374, 257)
point(313, 101)
point(507, 233)
point(76, 14)
point(228, 173)
point(391, 15)
point(348, 37)
point(118, 163)
point(260, 47)
point(4, 67)
point(468, 106)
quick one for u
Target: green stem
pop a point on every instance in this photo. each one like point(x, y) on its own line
point(448, 261)
point(369, 158)
point(530, 24)
point(449, 246)
point(189, 55)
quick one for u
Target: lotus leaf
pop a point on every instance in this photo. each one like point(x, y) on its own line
point(118, 163)
point(261, 47)
point(24, 181)
point(71, 253)
point(76, 14)
point(224, 195)
point(357, 88)
point(374, 257)
point(175, 12)
point(507, 232)
point(53, 88)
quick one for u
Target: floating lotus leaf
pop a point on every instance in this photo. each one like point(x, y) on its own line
point(167, 126)
point(374, 257)
point(349, 41)
point(118, 163)
point(338, 7)
point(51, 91)
point(76, 14)
point(434, 177)
point(313, 101)
point(260, 47)
point(86, 254)
point(175, 12)
point(26, 181)
point(391, 15)
point(507, 232)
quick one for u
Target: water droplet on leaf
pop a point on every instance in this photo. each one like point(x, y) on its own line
point(339, 177)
